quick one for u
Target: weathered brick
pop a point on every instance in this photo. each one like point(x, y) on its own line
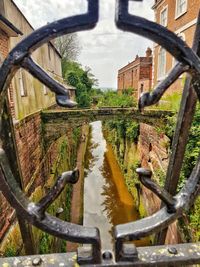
point(136, 75)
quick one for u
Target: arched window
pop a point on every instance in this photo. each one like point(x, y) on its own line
point(161, 63)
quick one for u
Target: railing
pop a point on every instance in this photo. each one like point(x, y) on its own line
point(173, 205)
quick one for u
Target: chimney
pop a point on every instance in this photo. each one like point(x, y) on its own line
point(148, 52)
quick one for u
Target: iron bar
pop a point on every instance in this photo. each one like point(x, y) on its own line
point(148, 99)
point(157, 33)
point(162, 218)
point(180, 139)
point(66, 177)
point(156, 256)
point(9, 145)
point(145, 178)
point(31, 212)
point(62, 94)
point(52, 225)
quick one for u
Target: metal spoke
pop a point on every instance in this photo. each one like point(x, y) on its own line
point(66, 177)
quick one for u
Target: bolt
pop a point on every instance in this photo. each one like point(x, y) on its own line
point(107, 255)
point(37, 261)
point(173, 250)
point(129, 252)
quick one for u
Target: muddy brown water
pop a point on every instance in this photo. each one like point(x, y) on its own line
point(107, 201)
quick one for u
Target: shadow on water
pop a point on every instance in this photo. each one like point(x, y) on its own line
point(107, 201)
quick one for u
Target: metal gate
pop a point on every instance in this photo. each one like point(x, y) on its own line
point(173, 205)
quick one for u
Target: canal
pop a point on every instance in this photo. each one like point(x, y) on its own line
point(107, 201)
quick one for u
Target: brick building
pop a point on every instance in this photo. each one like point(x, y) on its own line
point(7, 30)
point(137, 74)
point(27, 97)
point(179, 16)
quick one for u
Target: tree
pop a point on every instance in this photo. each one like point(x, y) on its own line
point(68, 46)
point(82, 79)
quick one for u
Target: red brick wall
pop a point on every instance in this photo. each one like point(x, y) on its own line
point(6, 212)
point(131, 75)
point(4, 52)
point(177, 25)
point(35, 163)
point(28, 138)
point(3, 43)
point(154, 155)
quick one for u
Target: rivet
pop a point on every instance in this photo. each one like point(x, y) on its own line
point(173, 250)
point(37, 261)
point(107, 255)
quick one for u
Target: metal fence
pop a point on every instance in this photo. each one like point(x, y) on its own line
point(173, 205)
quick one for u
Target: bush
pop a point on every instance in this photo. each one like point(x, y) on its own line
point(113, 99)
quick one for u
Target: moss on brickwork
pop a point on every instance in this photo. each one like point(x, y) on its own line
point(66, 149)
point(11, 246)
point(123, 135)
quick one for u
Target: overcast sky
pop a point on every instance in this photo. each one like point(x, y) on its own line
point(104, 49)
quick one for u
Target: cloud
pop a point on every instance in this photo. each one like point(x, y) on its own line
point(105, 49)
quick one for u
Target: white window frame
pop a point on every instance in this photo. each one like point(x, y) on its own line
point(161, 74)
point(45, 90)
point(177, 15)
point(21, 84)
point(174, 61)
point(164, 9)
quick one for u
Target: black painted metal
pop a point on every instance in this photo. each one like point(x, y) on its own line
point(145, 178)
point(34, 213)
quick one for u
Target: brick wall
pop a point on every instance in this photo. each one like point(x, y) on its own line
point(4, 52)
point(183, 25)
point(6, 212)
point(29, 143)
point(153, 148)
point(132, 75)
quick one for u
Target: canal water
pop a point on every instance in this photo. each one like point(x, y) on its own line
point(107, 201)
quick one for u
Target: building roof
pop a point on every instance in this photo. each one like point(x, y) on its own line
point(50, 42)
point(69, 87)
point(8, 27)
point(157, 2)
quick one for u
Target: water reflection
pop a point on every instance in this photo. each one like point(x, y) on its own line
point(107, 201)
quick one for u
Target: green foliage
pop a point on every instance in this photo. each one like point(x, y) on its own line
point(195, 220)
point(169, 127)
point(45, 243)
point(159, 176)
point(10, 251)
point(76, 134)
point(169, 102)
point(132, 131)
point(190, 159)
point(68, 203)
point(193, 145)
point(64, 246)
point(112, 98)
point(82, 80)
point(124, 129)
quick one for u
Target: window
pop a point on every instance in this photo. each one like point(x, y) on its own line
point(45, 90)
point(49, 51)
point(161, 63)
point(181, 7)
point(22, 78)
point(174, 61)
point(163, 17)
